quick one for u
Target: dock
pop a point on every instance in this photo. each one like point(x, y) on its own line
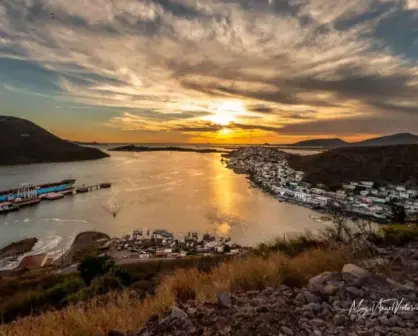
point(85, 189)
point(10, 206)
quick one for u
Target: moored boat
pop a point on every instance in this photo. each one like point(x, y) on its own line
point(8, 207)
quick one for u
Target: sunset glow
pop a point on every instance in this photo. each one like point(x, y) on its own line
point(189, 71)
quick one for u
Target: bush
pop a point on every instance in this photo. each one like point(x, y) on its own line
point(93, 266)
point(399, 235)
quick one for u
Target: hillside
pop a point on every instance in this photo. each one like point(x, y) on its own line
point(391, 164)
point(395, 139)
point(388, 140)
point(327, 143)
point(23, 142)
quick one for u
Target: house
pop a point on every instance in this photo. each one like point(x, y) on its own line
point(403, 194)
point(367, 184)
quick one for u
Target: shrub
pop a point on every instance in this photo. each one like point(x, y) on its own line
point(93, 266)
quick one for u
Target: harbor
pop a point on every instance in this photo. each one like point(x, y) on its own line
point(29, 195)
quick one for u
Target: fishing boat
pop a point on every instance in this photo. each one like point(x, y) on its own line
point(29, 193)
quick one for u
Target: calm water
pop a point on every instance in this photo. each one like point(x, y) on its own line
point(176, 191)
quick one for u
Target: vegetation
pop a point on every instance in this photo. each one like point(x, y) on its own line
point(123, 312)
point(384, 164)
point(35, 292)
point(102, 289)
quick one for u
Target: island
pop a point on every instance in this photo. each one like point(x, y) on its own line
point(23, 142)
point(133, 148)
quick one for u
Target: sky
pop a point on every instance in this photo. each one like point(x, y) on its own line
point(211, 71)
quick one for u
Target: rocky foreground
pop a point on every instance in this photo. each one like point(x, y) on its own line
point(351, 302)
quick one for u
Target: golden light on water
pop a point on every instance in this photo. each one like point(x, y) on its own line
point(223, 230)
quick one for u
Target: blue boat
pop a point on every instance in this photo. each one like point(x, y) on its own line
point(62, 186)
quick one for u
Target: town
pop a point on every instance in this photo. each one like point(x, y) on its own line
point(268, 169)
point(148, 244)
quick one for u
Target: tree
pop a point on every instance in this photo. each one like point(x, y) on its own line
point(398, 213)
point(92, 267)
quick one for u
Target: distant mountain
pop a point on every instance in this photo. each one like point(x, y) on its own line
point(389, 140)
point(23, 142)
point(327, 143)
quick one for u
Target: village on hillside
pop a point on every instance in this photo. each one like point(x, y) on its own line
point(268, 168)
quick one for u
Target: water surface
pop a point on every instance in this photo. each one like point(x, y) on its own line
point(176, 191)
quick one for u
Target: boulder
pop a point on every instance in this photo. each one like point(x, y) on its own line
point(178, 313)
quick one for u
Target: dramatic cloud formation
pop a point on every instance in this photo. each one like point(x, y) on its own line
point(219, 70)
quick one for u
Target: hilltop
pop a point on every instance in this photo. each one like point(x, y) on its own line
point(327, 143)
point(388, 164)
point(23, 142)
point(389, 140)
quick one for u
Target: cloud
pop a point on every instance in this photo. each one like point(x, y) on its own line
point(297, 65)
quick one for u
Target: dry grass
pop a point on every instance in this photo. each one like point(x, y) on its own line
point(125, 314)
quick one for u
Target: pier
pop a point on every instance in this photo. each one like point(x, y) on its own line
point(33, 199)
point(85, 189)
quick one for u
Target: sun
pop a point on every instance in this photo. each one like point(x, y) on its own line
point(225, 131)
point(226, 112)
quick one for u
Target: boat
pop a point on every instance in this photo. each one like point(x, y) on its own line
point(37, 190)
point(8, 207)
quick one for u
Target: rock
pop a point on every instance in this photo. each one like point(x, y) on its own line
point(224, 299)
point(153, 318)
point(317, 332)
point(411, 285)
point(312, 298)
point(354, 292)
point(355, 270)
point(191, 311)
point(178, 313)
point(300, 298)
point(268, 291)
point(339, 319)
point(134, 294)
point(314, 307)
point(287, 331)
point(329, 290)
point(384, 320)
point(115, 333)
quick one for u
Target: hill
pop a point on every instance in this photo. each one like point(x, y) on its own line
point(388, 140)
point(23, 142)
point(388, 164)
point(327, 143)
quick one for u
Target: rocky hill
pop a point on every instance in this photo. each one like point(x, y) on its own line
point(388, 140)
point(23, 142)
point(387, 164)
point(352, 302)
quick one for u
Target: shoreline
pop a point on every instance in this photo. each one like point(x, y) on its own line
point(321, 210)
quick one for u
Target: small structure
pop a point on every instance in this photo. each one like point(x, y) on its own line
point(33, 262)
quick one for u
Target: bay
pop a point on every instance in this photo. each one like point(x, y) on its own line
point(176, 191)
